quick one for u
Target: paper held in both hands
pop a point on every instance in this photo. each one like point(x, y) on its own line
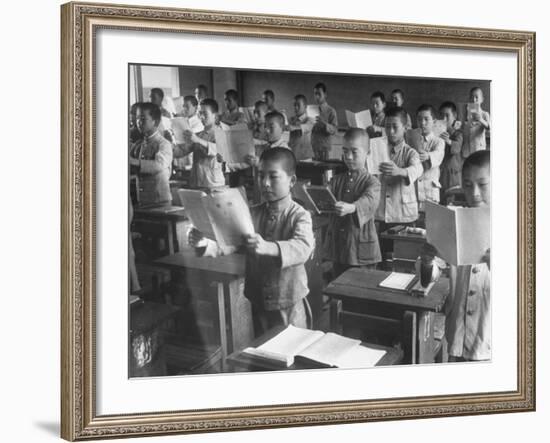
point(379, 152)
point(222, 215)
point(313, 111)
point(461, 236)
point(359, 119)
point(181, 124)
point(234, 143)
point(325, 349)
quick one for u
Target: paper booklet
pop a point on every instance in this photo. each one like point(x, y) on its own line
point(399, 281)
point(179, 126)
point(248, 113)
point(379, 152)
point(460, 235)
point(234, 143)
point(223, 215)
point(472, 108)
point(313, 111)
point(359, 119)
point(320, 198)
point(324, 349)
point(178, 104)
point(439, 127)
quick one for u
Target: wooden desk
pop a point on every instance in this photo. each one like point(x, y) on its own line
point(319, 172)
point(356, 299)
point(219, 280)
point(406, 249)
point(241, 362)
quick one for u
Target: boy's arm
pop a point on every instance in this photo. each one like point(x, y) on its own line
point(436, 156)
point(205, 146)
point(456, 142)
point(299, 247)
point(414, 168)
point(367, 204)
point(182, 149)
point(331, 125)
point(162, 160)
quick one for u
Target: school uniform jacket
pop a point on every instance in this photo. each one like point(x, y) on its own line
point(300, 139)
point(428, 183)
point(352, 239)
point(474, 136)
point(451, 167)
point(321, 135)
point(155, 167)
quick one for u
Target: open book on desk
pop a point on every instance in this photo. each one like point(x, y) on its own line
point(322, 349)
point(407, 283)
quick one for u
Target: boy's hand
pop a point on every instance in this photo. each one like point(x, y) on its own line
point(320, 121)
point(343, 208)
point(390, 169)
point(446, 137)
point(252, 160)
point(476, 116)
point(195, 238)
point(257, 245)
point(424, 156)
point(487, 258)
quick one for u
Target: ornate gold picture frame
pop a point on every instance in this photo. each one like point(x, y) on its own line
point(80, 23)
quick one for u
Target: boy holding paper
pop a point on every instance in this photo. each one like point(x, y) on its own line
point(351, 238)
point(258, 125)
point(378, 116)
point(190, 111)
point(468, 305)
point(326, 124)
point(275, 279)
point(232, 115)
point(398, 100)
point(206, 171)
point(453, 137)
point(300, 126)
point(476, 126)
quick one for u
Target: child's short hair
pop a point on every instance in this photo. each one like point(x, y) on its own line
point(282, 155)
point(191, 99)
point(260, 104)
point(210, 103)
point(399, 112)
point(232, 93)
point(269, 94)
point(134, 107)
point(428, 108)
point(476, 88)
point(158, 91)
point(152, 109)
point(448, 105)
point(202, 88)
point(276, 115)
point(479, 159)
point(321, 86)
point(301, 97)
point(400, 92)
point(378, 94)
point(356, 133)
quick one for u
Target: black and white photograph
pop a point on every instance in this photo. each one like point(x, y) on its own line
point(290, 220)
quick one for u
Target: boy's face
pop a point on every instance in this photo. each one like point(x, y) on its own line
point(354, 153)
point(319, 96)
point(273, 130)
point(268, 100)
point(188, 109)
point(199, 94)
point(425, 122)
point(476, 96)
point(259, 114)
point(377, 105)
point(476, 182)
point(299, 107)
point(156, 99)
point(275, 182)
point(208, 118)
point(145, 123)
point(230, 102)
point(397, 99)
point(448, 117)
point(395, 130)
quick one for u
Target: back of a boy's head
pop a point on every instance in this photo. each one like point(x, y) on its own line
point(321, 87)
point(285, 157)
point(378, 94)
point(300, 98)
point(191, 99)
point(399, 112)
point(158, 91)
point(448, 105)
point(211, 104)
point(232, 93)
point(277, 116)
point(428, 108)
point(356, 135)
point(152, 109)
point(479, 159)
point(269, 94)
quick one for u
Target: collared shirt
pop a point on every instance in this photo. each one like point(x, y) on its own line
point(300, 139)
point(233, 117)
point(321, 135)
point(398, 202)
point(428, 183)
point(352, 239)
point(474, 136)
point(206, 171)
point(154, 154)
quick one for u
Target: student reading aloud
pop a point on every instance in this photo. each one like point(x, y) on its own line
point(453, 137)
point(476, 126)
point(398, 100)
point(206, 171)
point(398, 204)
point(300, 126)
point(431, 152)
point(268, 97)
point(257, 126)
point(201, 92)
point(351, 238)
point(191, 112)
point(377, 110)
point(157, 97)
point(151, 157)
point(326, 124)
point(468, 306)
point(275, 278)
point(274, 128)
point(232, 115)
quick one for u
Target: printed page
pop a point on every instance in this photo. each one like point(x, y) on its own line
point(397, 280)
point(166, 123)
point(193, 203)
point(474, 234)
point(234, 143)
point(441, 231)
point(179, 125)
point(471, 109)
point(321, 197)
point(359, 119)
point(313, 111)
point(248, 113)
point(360, 357)
point(439, 127)
point(229, 215)
point(379, 152)
point(329, 349)
point(178, 104)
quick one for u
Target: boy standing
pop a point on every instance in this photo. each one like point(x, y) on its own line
point(300, 126)
point(258, 125)
point(453, 138)
point(190, 111)
point(377, 107)
point(398, 100)
point(232, 115)
point(476, 126)
point(326, 124)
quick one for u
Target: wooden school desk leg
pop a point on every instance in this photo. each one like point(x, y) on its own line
point(409, 337)
point(336, 316)
point(426, 337)
point(223, 328)
point(170, 232)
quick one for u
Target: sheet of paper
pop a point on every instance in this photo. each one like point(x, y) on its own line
point(359, 119)
point(313, 111)
point(472, 108)
point(234, 143)
point(166, 123)
point(248, 113)
point(379, 152)
point(439, 127)
point(229, 215)
point(320, 197)
point(360, 357)
point(179, 125)
point(193, 203)
point(329, 349)
point(413, 137)
point(397, 280)
point(178, 104)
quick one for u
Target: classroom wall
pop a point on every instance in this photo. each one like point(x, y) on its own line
point(189, 78)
